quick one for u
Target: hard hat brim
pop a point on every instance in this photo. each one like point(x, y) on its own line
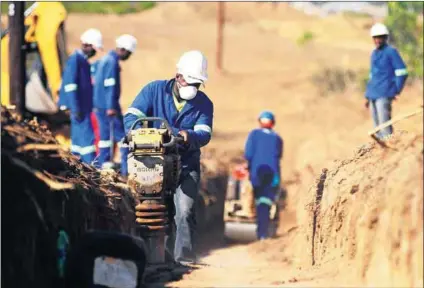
point(192, 80)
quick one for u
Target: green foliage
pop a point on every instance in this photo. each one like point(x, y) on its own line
point(96, 7)
point(406, 33)
point(306, 37)
point(108, 7)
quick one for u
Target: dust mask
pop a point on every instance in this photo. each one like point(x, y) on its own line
point(187, 92)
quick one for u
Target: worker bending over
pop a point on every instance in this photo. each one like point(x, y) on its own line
point(387, 79)
point(76, 94)
point(263, 152)
point(190, 114)
point(107, 92)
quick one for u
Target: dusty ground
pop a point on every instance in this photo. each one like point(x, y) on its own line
point(265, 68)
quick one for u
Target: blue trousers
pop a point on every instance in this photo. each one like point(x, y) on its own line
point(185, 197)
point(107, 125)
point(264, 199)
point(381, 111)
point(82, 138)
point(265, 193)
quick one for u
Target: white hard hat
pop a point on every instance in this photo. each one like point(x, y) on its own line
point(193, 66)
point(126, 41)
point(379, 29)
point(94, 37)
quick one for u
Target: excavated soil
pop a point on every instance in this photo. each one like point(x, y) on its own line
point(46, 190)
point(366, 212)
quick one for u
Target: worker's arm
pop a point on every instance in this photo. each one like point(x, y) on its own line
point(401, 72)
point(141, 107)
point(249, 147)
point(111, 89)
point(280, 148)
point(202, 131)
point(70, 85)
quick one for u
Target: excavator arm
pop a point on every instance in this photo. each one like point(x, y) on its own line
point(46, 57)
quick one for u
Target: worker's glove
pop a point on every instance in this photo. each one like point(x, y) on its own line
point(185, 136)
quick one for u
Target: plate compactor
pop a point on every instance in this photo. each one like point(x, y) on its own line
point(153, 174)
point(240, 208)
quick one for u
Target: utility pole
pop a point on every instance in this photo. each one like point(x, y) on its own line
point(220, 38)
point(17, 56)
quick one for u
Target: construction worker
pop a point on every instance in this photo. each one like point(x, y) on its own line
point(76, 94)
point(263, 152)
point(190, 114)
point(387, 79)
point(107, 91)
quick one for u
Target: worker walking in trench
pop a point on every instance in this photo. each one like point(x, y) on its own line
point(190, 114)
point(387, 79)
point(76, 94)
point(263, 152)
point(107, 92)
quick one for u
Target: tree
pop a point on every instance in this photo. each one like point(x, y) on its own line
point(405, 23)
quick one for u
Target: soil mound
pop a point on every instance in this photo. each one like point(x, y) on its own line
point(366, 213)
point(45, 192)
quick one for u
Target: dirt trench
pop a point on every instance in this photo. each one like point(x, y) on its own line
point(360, 223)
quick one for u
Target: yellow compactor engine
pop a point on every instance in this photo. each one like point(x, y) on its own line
point(153, 175)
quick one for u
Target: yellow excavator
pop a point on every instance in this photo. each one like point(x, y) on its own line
point(46, 55)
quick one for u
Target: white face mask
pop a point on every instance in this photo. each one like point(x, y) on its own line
point(187, 92)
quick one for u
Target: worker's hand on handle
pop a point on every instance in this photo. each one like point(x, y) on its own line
point(111, 112)
point(367, 104)
point(185, 135)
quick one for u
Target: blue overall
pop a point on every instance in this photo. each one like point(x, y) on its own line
point(76, 93)
point(263, 151)
point(107, 90)
point(387, 79)
point(196, 117)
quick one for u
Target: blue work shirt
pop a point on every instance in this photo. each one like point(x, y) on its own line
point(196, 117)
point(93, 69)
point(388, 73)
point(107, 87)
point(76, 91)
point(263, 149)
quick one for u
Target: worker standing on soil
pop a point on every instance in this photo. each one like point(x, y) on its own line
point(76, 94)
point(107, 92)
point(263, 152)
point(190, 114)
point(387, 79)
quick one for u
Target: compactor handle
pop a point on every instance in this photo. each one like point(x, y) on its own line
point(174, 139)
point(152, 119)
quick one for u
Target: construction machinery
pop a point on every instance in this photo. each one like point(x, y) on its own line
point(240, 208)
point(45, 53)
point(33, 87)
point(153, 176)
